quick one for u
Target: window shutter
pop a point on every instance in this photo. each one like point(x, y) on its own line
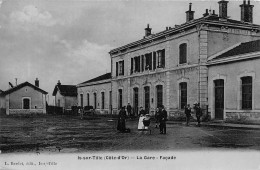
point(150, 61)
point(123, 69)
point(154, 60)
point(138, 63)
point(163, 58)
point(142, 69)
point(116, 68)
point(132, 65)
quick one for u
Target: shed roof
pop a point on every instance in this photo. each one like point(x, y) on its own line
point(23, 85)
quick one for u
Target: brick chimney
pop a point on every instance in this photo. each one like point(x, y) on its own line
point(37, 82)
point(189, 14)
point(58, 83)
point(206, 13)
point(247, 12)
point(148, 31)
point(223, 9)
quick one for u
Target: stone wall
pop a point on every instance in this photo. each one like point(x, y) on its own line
point(26, 111)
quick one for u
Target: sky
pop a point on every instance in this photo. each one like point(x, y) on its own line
point(69, 40)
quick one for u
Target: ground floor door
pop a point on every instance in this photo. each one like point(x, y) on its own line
point(147, 98)
point(219, 99)
point(135, 102)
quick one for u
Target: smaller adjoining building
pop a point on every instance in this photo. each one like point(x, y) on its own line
point(25, 98)
point(65, 96)
point(97, 93)
point(234, 83)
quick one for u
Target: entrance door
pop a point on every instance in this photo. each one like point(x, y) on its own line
point(147, 98)
point(135, 106)
point(219, 99)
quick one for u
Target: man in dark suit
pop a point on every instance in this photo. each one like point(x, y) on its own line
point(162, 120)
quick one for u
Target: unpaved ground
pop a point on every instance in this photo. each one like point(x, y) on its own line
point(71, 134)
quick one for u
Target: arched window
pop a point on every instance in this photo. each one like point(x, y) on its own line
point(159, 91)
point(120, 98)
point(95, 100)
point(102, 100)
point(183, 94)
point(183, 53)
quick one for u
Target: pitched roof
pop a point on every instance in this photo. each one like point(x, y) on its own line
point(23, 85)
point(65, 90)
point(99, 78)
point(210, 19)
point(243, 48)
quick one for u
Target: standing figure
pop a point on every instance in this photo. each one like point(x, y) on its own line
point(162, 120)
point(188, 114)
point(140, 122)
point(121, 120)
point(198, 112)
point(129, 110)
point(156, 116)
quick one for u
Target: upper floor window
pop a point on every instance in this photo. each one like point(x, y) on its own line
point(161, 59)
point(120, 68)
point(148, 61)
point(183, 53)
point(135, 64)
point(246, 92)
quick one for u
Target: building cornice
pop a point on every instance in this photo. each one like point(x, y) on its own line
point(177, 30)
point(94, 83)
point(146, 73)
point(234, 58)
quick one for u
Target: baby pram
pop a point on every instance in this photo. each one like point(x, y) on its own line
point(146, 122)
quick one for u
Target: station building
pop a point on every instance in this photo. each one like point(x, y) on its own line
point(184, 64)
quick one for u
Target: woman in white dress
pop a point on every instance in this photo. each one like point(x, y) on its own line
point(140, 123)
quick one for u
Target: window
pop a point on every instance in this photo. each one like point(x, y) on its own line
point(183, 94)
point(137, 64)
point(159, 90)
point(26, 103)
point(120, 98)
point(183, 53)
point(88, 98)
point(81, 100)
point(103, 100)
point(148, 61)
point(161, 59)
point(154, 60)
point(246, 92)
point(147, 98)
point(95, 100)
point(119, 68)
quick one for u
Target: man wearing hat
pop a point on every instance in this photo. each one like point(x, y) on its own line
point(198, 112)
point(162, 120)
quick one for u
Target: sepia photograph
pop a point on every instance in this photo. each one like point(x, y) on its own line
point(119, 84)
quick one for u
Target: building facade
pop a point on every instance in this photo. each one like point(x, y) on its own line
point(25, 98)
point(234, 83)
point(65, 96)
point(97, 93)
point(170, 68)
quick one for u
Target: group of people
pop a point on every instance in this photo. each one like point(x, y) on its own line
point(197, 110)
point(160, 117)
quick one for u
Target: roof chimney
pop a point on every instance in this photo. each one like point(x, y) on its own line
point(189, 14)
point(223, 9)
point(147, 30)
point(206, 13)
point(247, 12)
point(37, 82)
point(58, 83)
